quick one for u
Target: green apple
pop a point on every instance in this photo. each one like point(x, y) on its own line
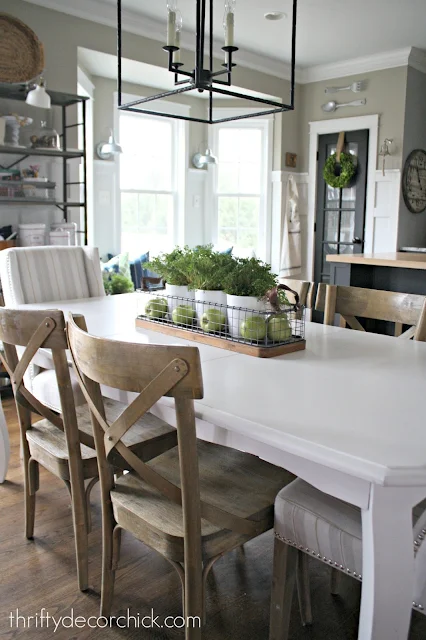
point(183, 314)
point(279, 328)
point(254, 328)
point(213, 320)
point(157, 308)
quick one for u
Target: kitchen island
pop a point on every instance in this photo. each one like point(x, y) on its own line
point(400, 271)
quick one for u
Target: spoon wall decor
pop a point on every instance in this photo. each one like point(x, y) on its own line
point(331, 106)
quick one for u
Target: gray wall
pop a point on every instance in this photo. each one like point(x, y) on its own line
point(385, 93)
point(412, 226)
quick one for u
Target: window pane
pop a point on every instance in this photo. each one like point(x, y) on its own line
point(228, 212)
point(249, 212)
point(347, 230)
point(229, 141)
point(147, 159)
point(250, 175)
point(248, 239)
point(331, 225)
point(250, 145)
point(239, 180)
point(228, 236)
point(154, 228)
point(227, 177)
point(129, 211)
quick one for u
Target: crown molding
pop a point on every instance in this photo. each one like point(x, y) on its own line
point(136, 23)
point(417, 59)
point(364, 64)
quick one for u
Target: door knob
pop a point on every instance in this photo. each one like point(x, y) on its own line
point(357, 240)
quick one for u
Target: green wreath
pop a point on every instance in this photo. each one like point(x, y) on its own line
point(347, 170)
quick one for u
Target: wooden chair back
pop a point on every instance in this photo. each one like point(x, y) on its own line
point(306, 291)
point(390, 306)
point(33, 330)
point(151, 371)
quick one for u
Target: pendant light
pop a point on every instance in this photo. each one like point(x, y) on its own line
point(38, 96)
point(207, 75)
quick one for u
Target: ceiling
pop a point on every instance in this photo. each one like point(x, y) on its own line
point(328, 30)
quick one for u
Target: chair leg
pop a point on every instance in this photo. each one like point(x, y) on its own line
point(31, 477)
point(335, 582)
point(108, 571)
point(79, 513)
point(284, 575)
point(194, 599)
point(303, 588)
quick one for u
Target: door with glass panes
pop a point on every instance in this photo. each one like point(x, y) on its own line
point(340, 213)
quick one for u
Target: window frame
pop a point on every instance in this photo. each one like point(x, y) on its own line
point(266, 125)
point(180, 135)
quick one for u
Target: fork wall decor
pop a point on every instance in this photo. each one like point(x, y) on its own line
point(355, 87)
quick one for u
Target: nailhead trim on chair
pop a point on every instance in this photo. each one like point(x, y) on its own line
point(418, 541)
point(358, 576)
point(319, 556)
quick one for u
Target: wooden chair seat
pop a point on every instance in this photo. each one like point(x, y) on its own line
point(48, 446)
point(238, 483)
point(148, 437)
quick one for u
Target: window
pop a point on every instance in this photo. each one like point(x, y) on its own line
point(241, 187)
point(148, 183)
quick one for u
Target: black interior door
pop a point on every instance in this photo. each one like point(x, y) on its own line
point(340, 213)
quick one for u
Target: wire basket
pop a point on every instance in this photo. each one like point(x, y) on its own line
point(263, 328)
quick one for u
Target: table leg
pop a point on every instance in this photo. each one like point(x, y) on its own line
point(4, 446)
point(388, 565)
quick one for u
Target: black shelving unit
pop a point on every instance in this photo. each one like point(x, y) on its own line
point(64, 101)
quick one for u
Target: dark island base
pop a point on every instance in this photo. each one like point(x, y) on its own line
point(382, 278)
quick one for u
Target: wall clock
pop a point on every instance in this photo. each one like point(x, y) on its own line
point(414, 181)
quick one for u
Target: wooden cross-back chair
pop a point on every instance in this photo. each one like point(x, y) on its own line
point(354, 302)
point(191, 504)
point(306, 291)
point(55, 441)
point(63, 442)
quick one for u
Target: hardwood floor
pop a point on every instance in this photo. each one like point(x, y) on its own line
point(41, 573)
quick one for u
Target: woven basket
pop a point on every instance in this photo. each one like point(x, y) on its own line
point(21, 52)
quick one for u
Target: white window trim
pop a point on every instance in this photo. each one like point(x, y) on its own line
point(180, 156)
point(211, 217)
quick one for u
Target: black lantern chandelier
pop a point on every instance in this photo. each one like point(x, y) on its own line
point(204, 77)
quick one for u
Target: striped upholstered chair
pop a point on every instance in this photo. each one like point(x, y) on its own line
point(30, 275)
point(309, 522)
point(46, 274)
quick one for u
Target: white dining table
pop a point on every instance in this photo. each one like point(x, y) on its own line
point(346, 415)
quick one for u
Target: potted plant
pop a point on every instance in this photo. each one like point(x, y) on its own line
point(172, 267)
point(117, 283)
point(207, 270)
point(246, 286)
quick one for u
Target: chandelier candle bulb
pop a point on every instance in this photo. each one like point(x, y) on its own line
point(171, 24)
point(179, 25)
point(229, 29)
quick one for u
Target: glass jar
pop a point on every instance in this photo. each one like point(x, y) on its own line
point(45, 138)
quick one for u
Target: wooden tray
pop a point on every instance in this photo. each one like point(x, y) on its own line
point(214, 341)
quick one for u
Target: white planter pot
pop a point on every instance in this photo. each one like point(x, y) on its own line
point(201, 297)
point(177, 292)
point(237, 316)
